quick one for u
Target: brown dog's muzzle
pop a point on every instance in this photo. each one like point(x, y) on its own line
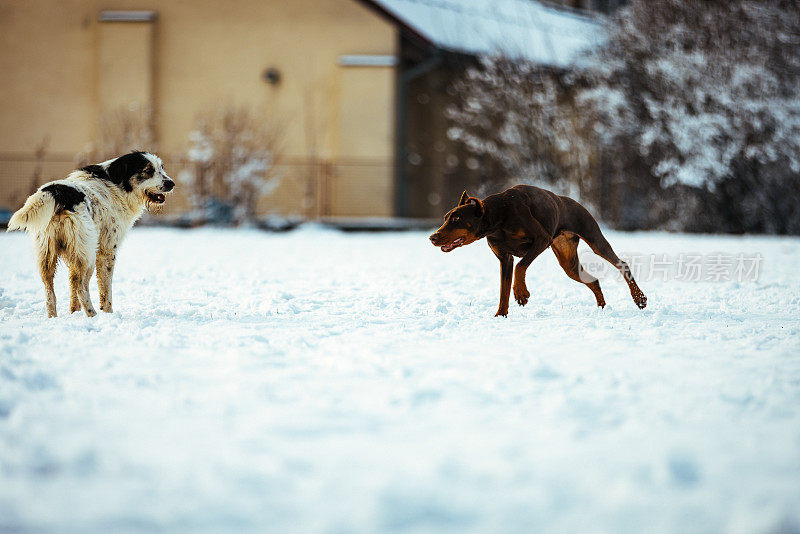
point(447, 243)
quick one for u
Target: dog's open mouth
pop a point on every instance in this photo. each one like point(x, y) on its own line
point(452, 246)
point(156, 198)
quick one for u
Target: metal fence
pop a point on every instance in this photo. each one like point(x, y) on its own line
point(306, 188)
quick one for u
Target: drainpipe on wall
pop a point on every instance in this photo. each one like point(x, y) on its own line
point(404, 79)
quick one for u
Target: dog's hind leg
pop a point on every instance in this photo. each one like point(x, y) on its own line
point(80, 239)
point(79, 275)
point(595, 239)
point(85, 298)
point(105, 274)
point(48, 259)
point(75, 257)
point(565, 247)
point(75, 278)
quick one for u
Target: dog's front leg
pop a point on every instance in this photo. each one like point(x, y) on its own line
point(105, 274)
point(521, 293)
point(506, 270)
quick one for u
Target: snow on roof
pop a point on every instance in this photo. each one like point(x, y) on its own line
point(522, 28)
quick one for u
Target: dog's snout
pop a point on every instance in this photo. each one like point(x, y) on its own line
point(169, 185)
point(434, 237)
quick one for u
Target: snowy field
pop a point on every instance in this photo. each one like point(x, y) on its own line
point(317, 381)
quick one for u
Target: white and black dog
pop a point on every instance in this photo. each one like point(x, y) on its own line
point(84, 217)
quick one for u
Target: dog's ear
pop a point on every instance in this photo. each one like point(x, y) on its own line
point(116, 172)
point(478, 206)
point(122, 169)
point(464, 198)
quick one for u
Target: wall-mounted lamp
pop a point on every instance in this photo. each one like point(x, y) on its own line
point(272, 76)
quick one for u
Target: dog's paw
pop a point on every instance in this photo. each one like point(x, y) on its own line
point(501, 313)
point(639, 299)
point(521, 295)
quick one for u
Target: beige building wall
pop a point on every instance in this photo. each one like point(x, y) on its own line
point(131, 81)
point(62, 68)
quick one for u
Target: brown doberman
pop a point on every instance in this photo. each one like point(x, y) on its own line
point(523, 221)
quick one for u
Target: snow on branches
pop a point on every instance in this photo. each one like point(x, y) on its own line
point(689, 113)
point(515, 113)
point(698, 86)
point(230, 164)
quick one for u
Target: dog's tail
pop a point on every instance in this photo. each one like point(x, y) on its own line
point(35, 214)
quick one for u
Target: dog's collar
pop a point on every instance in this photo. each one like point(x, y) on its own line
point(484, 231)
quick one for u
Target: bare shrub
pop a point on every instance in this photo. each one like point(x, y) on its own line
point(119, 131)
point(230, 164)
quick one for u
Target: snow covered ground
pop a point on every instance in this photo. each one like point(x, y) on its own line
point(316, 381)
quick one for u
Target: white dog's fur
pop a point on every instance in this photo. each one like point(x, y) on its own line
point(84, 217)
